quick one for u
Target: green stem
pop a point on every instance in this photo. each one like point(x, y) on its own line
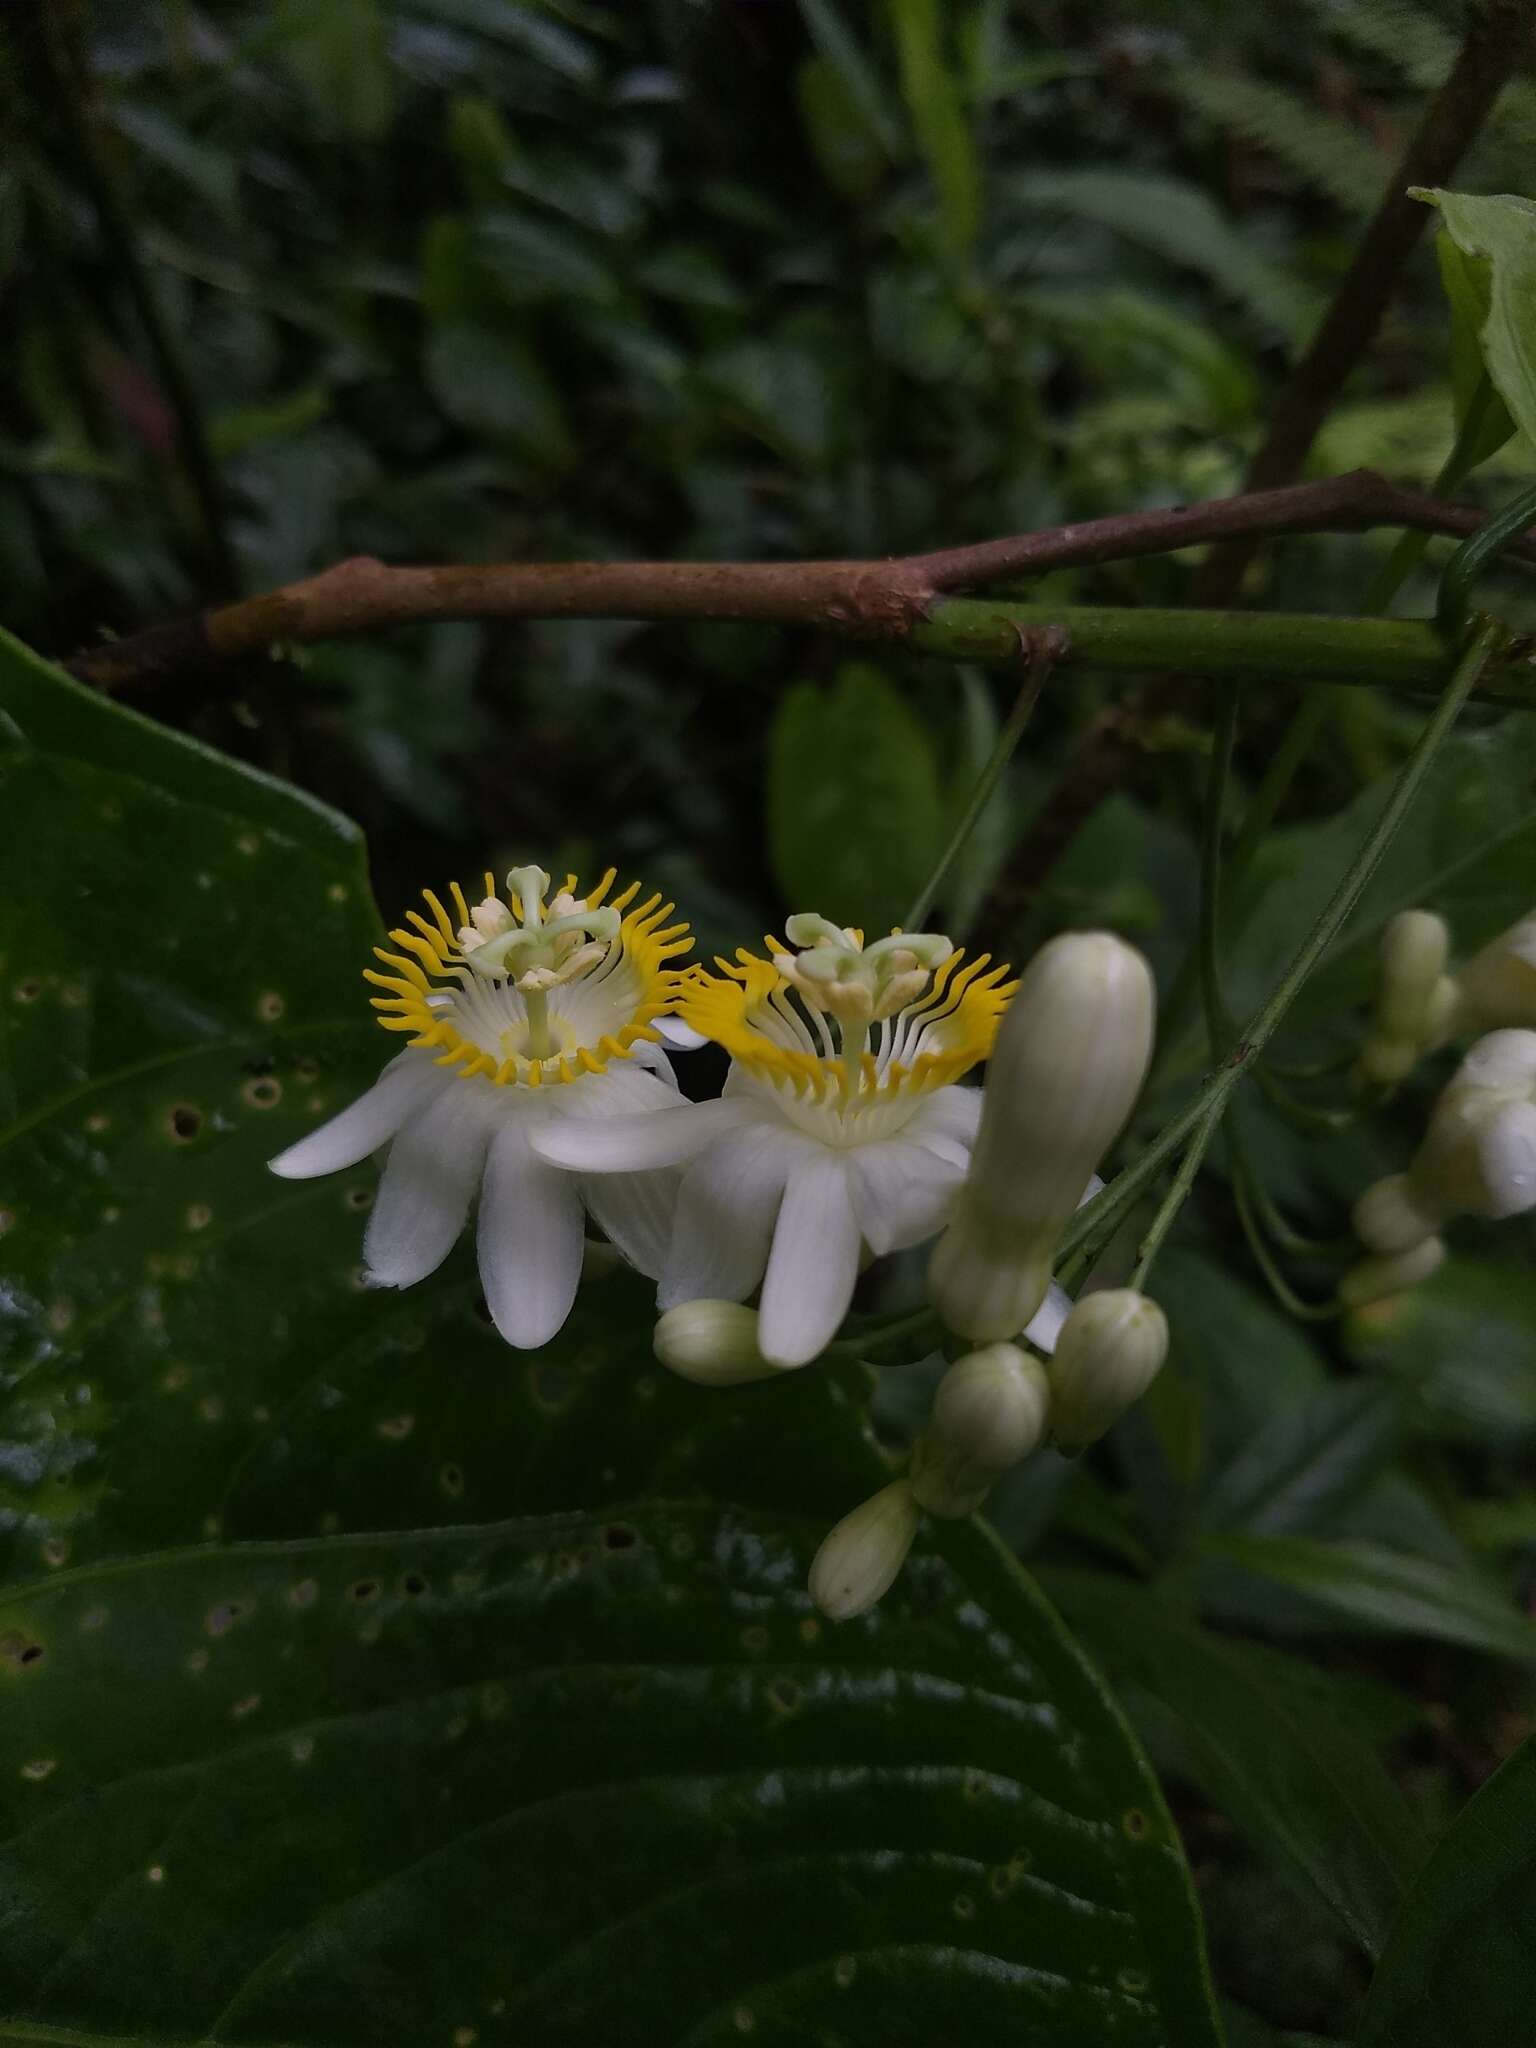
point(1286, 647)
point(1218, 1019)
point(1477, 554)
point(1265, 1260)
point(1178, 1193)
point(1040, 666)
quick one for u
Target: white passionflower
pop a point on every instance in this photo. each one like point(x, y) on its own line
point(520, 1017)
point(840, 1131)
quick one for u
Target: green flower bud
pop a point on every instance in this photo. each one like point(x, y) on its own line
point(988, 1415)
point(712, 1343)
point(1376, 1278)
point(859, 1559)
point(1111, 1348)
point(1071, 1054)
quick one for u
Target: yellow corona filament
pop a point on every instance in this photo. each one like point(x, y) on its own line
point(429, 991)
point(748, 1009)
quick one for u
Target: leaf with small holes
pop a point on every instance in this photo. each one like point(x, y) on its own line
point(363, 1681)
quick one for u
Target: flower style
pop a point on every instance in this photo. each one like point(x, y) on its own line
point(840, 1130)
point(522, 1017)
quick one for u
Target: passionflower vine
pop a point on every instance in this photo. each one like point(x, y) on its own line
point(840, 1130)
point(522, 1015)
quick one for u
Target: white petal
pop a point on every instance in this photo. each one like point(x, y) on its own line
point(1044, 1326)
point(813, 1264)
point(431, 1174)
point(902, 1192)
point(627, 1087)
point(654, 1060)
point(680, 1036)
point(952, 1113)
point(529, 1241)
point(636, 1143)
point(409, 1080)
point(725, 1215)
point(636, 1211)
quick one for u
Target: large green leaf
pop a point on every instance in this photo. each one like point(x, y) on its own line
point(1458, 1966)
point(1462, 1342)
point(1387, 1591)
point(1268, 1745)
point(362, 1680)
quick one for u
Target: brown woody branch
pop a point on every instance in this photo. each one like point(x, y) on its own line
point(872, 599)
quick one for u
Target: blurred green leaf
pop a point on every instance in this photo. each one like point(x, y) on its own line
point(1270, 1747)
point(847, 150)
point(493, 384)
point(855, 818)
point(939, 119)
point(1387, 1591)
point(340, 54)
point(1180, 223)
point(1502, 229)
point(1458, 1965)
point(1462, 1342)
point(1307, 1461)
point(840, 48)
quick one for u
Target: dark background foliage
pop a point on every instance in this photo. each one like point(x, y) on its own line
point(474, 280)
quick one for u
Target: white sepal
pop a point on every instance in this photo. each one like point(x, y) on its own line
point(1413, 996)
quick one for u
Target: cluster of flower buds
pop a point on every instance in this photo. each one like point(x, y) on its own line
point(1419, 1006)
point(1070, 1058)
point(1478, 1157)
point(992, 1409)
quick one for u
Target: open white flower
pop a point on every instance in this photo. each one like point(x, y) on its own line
point(840, 1130)
point(520, 1018)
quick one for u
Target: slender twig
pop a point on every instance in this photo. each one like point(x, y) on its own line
point(1039, 651)
point(1178, 1193)
point(872, 599)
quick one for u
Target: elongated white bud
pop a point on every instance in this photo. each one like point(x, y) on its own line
point(1414, 996)
point(988, 1415)
point(859, 1559)
point(1111, 1348)
point(1478, 1157)
point(1497, 986)
point(712, 1343)
point(1375, 1279)
point(1071, 1054)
